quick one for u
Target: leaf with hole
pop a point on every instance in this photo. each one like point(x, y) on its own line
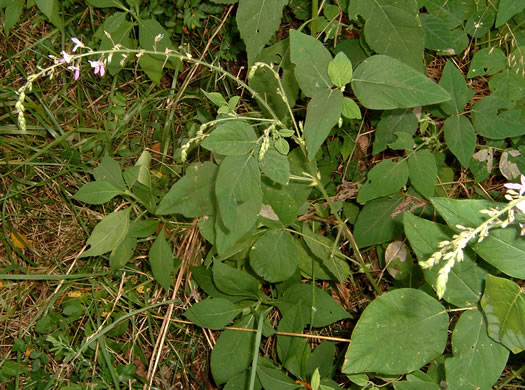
point(234, 138)
point(487, 61)
point(384, 83)
point(399, 332)
point(108, 234)
point(504, 306)
point(496, 118)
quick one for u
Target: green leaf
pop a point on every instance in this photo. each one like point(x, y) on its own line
point(276, 166)
point(392, 28)
point(257, 21)
point(376, 224)
point(507, 9)
point(399, 332)
point(340, 70)
point(466, 279)
point(504, 305)
point(274, 256)
point(460, 137)
point(311, 61)
point(480, 23)
point(274, 379)
point(422, 171)
point(12, 13)
point(152, 36)
point(454, 83)
point(234, 138)
point(233, 352)
point(50, 8)
point(232, 281)
point(194, 194)
point(350, 109)
point(293, 351)
point(162, 262)
point(120, 256)
point(322, 114)
point(503, 248)
point(384, 179)
point(238, 180)
point(108, 234)
point(119, 28)
point(322, 359)
point(327, 250)
point(97, 192)
point(109, 170)
point(144, 164)
point(106, 3)
point(437, 33)
point(508, 85)
point(494, 117)
point(319, 308)
point(216, 98)
point(391, 123)
point(281, 202)
point(473, 349)
point(212, 313)
point(488, 61)
point(451, 11)
point(384, 83)
point(152, 67)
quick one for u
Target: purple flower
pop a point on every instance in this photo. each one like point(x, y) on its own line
point(66, 57)
point(76, 69)
point(77, 44)
point(98, 67)
point(515, 186)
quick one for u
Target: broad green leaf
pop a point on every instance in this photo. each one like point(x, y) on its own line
point(120, 256)
point(384, 179)
point(508, 85)
point(488, 61)
point(274, 379)
point(274, 256)
point(109, 170)
point(504, 306)
point(106, 3)
point(454, 83)
point(119, 28)
point(385, 83)
point(144, 164)
point(233, 352)
point(229, 242)
point(161, 261)
point(204, 279)
point(193, 195)
point(350, 109)
point(216, 98)
point(460, 138)
point(392, 28)
point(437, 33)
point(404, 141)
point(516, 60)
point(322, 114)
point(282, 203)
point(327, 250)
point(507, 9)
point(393, 122)
point(322, 359)
point(473, 349)
point(311, 61)
point(493, 117)
point(480, 22)
point(140, 228)
point(422, 171)
point(399, 332)
point(310, 265)
point(12, 12)
point(242, 382)
point(238, 180)
point(212, 313)
point(108, 234)
point(375, 223)
point(234, 138)
point(319, 308)
point(97, 192)
point(232, 281)
point(50, 8)
point(451, 11)
point(293, 351)
point(276, 166)
point(152, 36)
point(152, 67)
point(466, 279)
point(503, 248)
point(257, 21)
point(340, 70)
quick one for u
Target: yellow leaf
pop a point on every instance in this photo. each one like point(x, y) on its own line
point(74, 294)
point(19, 239)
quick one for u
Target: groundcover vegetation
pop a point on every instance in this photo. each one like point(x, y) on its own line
point(250, 194)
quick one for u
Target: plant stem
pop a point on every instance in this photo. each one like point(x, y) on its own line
point(315, 10)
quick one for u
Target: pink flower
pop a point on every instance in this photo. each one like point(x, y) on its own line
point(77, 44)
point(66, 57)
point(76, 69)
point(98, 67)
point(515, 186)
